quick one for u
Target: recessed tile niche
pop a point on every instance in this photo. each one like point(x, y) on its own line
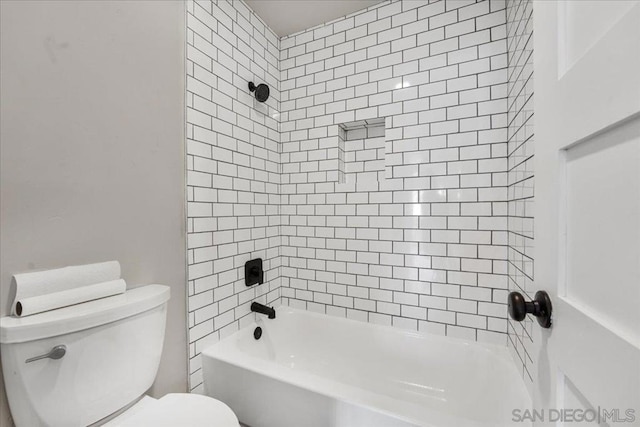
point(361, 151)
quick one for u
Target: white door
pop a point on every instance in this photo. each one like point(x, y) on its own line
point(587, 208)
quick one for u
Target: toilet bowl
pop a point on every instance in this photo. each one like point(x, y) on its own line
point(176, 409)
point(80, 365)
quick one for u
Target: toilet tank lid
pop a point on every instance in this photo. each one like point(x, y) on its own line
point(82, 316)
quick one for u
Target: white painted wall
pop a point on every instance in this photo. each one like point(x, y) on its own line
point(92, 148)
point(279, 14)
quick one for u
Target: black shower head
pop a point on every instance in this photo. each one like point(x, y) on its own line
point(261, 91)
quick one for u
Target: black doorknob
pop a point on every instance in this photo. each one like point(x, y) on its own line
point(540, 307)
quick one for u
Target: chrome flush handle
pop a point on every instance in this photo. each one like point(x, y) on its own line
point(56, 353)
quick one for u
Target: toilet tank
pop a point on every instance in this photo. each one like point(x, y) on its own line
point(113, 348)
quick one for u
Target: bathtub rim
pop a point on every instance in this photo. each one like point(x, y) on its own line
point(498, 350)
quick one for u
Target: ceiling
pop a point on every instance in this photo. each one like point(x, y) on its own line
point(286, 17)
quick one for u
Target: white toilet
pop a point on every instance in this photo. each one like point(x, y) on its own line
point(100, 357)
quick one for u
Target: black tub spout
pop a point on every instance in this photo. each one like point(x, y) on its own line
point(263, 309)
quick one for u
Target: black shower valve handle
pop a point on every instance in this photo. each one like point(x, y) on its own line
point(253, 272)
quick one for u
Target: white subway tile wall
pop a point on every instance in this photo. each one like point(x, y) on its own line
point(401, 222)
point(424, 245)
point(233, 169)
point(521, 174)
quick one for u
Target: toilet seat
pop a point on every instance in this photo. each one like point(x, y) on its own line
point(177, 409)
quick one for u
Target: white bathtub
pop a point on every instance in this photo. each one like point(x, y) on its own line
point(312, 370)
